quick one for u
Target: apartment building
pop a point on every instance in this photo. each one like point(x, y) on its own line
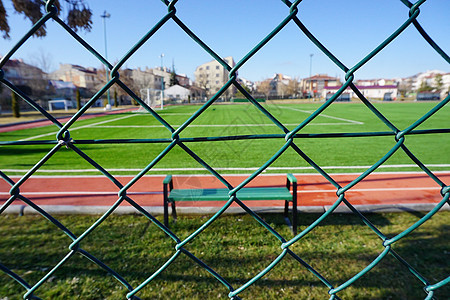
point(29, 78)
point(146, 78)
point(212, 76)
point(80, 76)
point(315, 84)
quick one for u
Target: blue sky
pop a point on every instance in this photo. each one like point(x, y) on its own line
point(350, 29)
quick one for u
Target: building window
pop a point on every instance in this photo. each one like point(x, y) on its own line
point(217, 67)
point(207, 67)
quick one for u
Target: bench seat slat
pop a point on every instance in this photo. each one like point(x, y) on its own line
point(258, 193)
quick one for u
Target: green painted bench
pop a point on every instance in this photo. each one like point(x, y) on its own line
point(172, 196)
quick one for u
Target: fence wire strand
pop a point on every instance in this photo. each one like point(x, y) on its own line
point(64, 138)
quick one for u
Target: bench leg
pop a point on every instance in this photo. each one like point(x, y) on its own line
point(294, 209)
point(286, 209)
point(166, 206)
point(174, 211)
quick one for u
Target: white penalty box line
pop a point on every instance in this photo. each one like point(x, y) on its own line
point(323, 115)
point(77, 128)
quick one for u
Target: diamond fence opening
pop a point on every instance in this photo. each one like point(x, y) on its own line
point(291, 140)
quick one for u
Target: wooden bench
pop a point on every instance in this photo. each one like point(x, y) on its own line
point(172, 195)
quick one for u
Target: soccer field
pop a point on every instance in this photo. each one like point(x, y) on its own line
point(236, 139)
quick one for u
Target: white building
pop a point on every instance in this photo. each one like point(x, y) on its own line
point(370, 92)
point(177, 93)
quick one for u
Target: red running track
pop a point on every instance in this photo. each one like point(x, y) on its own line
point(314, 191)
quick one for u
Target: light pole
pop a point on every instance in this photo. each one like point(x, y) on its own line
point(162, 81)
point(310, 72)
point(104, 16)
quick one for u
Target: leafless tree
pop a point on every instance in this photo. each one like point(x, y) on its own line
point(264, 88)
point(202, 82)
point(125, 77)
point(293, 87)
point(43, 60)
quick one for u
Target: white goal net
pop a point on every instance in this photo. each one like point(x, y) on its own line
point(151, 97)
point(60, 104)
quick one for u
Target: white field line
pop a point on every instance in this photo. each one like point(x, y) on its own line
point(175, 114)
point(86, 193)
point(105, 193)
point(324, 115)
point(211, 125)
point(228, 169)
point(76, 128)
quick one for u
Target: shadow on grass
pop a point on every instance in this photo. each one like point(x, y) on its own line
point(332, 220)
point(31, 248)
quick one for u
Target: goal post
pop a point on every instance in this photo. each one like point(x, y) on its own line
point(152, 97)
point(59, 104)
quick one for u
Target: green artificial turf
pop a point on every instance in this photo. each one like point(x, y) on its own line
point(431, 149)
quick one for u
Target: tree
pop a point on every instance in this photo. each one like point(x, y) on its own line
point(240, 95)
point(405, 87)
point(202, 82)
point(78, 98)
point(173, 78)
point(424, 87)
point(78, 17)
point(438, 84)
point(1, 100)
point(116, 103)
point(125, 77)
point(293, 87)
point(15, 106)
point(42, 59)
point(264, 88)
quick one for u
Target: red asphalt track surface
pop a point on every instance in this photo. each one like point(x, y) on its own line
point(313, 190)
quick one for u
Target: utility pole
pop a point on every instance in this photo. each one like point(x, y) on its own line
point(310, 73)
point(162, 81)
point(104, 16)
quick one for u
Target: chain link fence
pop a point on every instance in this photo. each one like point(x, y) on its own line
point(64, 139)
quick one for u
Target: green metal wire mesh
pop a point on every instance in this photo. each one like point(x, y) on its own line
point(64, 138)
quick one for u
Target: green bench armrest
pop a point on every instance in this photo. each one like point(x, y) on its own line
point(291, 178)
point(168, 179)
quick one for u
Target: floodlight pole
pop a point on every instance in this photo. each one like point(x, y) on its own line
point(104, 16)
point(310, 71)
point(162, 81)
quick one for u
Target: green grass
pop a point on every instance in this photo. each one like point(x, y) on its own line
point(236, 247)
point(338, 118)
